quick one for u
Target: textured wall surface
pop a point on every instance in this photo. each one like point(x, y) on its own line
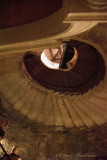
point(44, 143)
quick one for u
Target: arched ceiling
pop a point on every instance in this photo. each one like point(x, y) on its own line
point(18, 12)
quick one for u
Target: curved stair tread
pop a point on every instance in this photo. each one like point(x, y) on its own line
point(30, 101)
point(23, 99)
point(14, 90)
point(97, 99)
point(68, 122)
point(40, 111)
point(95, 117)
point(101, 104)
point(59, 121)
point(33, 110)
point(74, 115)
point(49, 111)
point(87, 120)
point(95, 108)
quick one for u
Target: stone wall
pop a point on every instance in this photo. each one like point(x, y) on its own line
point(44, 143)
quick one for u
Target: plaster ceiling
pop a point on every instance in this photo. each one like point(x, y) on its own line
point(18, 12)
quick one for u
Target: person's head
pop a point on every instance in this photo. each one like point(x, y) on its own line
point(15, 150)
point(3, 123)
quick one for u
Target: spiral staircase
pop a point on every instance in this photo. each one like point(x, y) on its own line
point(53, 111)
point(74, 98)
point(52, 97)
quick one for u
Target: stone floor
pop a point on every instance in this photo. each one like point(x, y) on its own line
point(45, 143)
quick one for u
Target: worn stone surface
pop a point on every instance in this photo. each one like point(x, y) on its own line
point(45, 143)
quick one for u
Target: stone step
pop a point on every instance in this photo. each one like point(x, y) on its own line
point(97, 88)
point(95, 117)
point(99, 104)
point(30, 103)
point(12, 93)
point(73, 113)
point(70, 97)
point(68, 122)
point(40, 109)
point(32, 114)
point(98, 100)
point(7, 86)
point(101, 93)
point(21, 91)
point(23, 99)
point(100, 90)
point(6, 82)
point(95, 108)
point(87, 120)
point(57, 113)
point(86, 94)
point(49, 111)
point(11, 84)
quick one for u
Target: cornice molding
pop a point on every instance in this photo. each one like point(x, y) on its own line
point(89, 16)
